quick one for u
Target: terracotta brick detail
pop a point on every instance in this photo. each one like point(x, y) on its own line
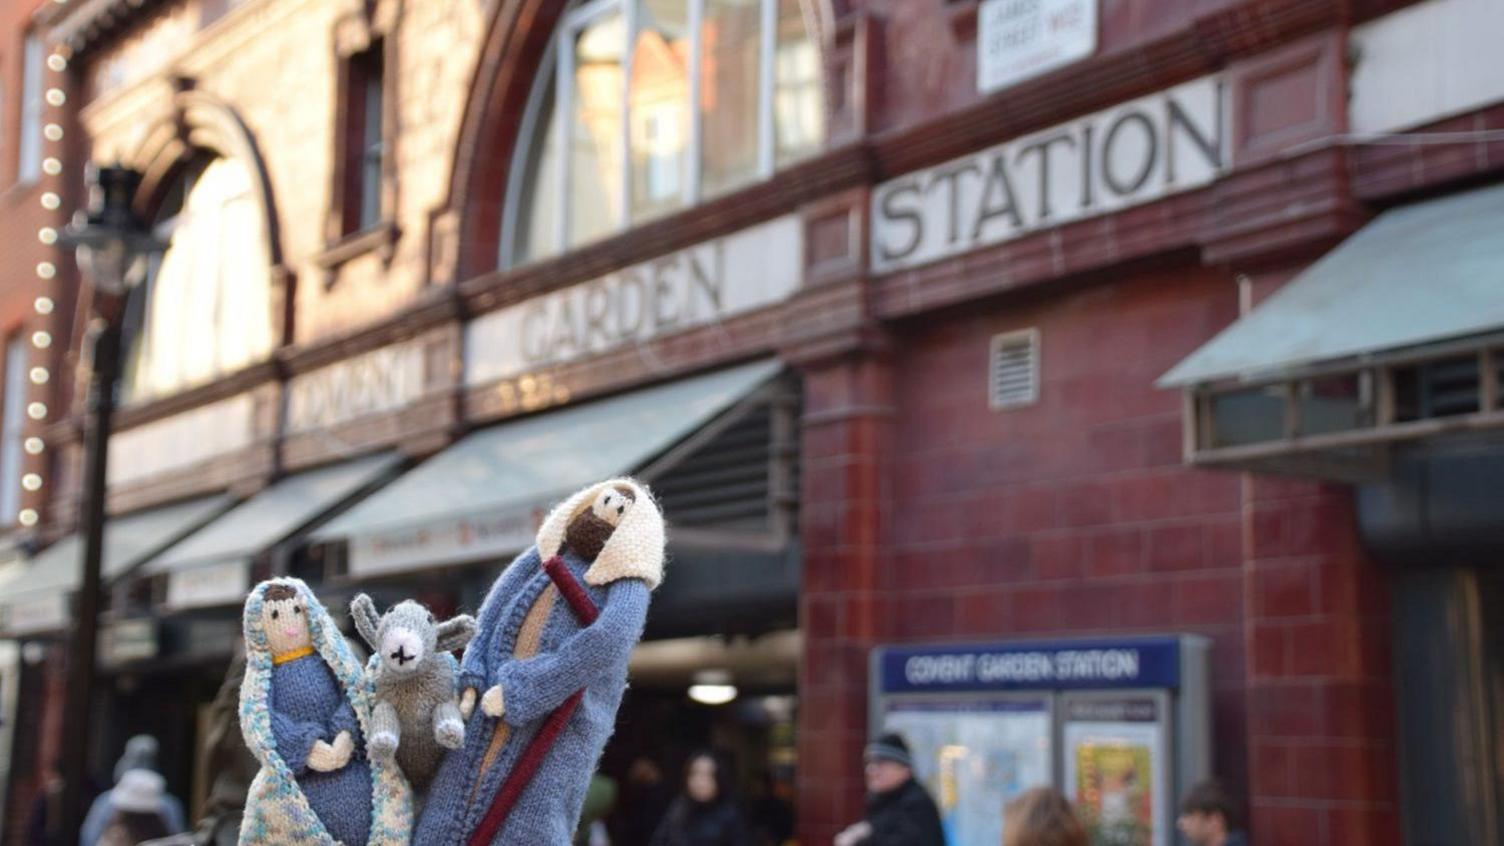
point(1321, 727)
point(844, 609)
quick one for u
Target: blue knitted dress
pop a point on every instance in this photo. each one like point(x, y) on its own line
point(307, 705)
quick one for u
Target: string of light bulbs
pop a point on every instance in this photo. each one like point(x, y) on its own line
point(46, 271)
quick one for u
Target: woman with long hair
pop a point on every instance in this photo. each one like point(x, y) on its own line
point(706, 813)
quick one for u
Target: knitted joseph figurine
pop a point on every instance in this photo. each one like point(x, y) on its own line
point(305, 706)
point(548, 667)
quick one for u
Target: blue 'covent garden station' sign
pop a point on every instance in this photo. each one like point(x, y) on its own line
point(1148, 662)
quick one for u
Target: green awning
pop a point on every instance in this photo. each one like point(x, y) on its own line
point(1417, 275)
point(482, 496)
point(32, 600)
point(273, 515)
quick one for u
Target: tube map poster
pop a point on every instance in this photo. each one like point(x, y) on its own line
point(975, 755)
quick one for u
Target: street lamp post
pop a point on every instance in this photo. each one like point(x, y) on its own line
point(112, 246)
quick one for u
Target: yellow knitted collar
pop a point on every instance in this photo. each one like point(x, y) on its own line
point(293, 655)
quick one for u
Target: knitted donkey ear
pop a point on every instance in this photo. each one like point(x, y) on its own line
point(455, 633)
point(367, 621)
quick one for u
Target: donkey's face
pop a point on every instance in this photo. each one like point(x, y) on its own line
point(408, 633)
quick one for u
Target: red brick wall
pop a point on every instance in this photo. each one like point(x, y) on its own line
point(1320, 698)
point(847, 459)
point(1073, 516)
point(931, 517)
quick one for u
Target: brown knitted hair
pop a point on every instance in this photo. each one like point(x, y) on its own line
point(587, 534)
point(1042, 817)
point(277, 593)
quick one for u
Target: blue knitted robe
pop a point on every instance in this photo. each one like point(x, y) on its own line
point(307, 705)
point(570, 657)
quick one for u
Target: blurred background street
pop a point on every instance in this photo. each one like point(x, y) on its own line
point(1102, 394)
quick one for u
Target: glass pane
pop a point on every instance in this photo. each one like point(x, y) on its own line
point(29, 155)
point(595, 155)
point(371, 137)
point(14, 424)
point(534, 230)
point(798, 102)
point(728, 93)
point(1337, 403)
point(1248, 416)
point(659, 106)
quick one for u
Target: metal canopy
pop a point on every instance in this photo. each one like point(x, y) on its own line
point(1420, 274)
point(536, 460)
point(128, 541)
point(274, 514)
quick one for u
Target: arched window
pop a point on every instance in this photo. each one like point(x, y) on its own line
point(648, 106)
point(205, 308)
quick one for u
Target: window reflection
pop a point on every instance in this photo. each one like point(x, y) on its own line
point(798, 108)
point(595, 158)
point(205, 308)
point(693, 111)
point(729, 74)
point(659, 106)
point(537, 230)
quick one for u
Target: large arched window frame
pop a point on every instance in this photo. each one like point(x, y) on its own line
point(642, 132)
point(225, 306)
point(202, 311)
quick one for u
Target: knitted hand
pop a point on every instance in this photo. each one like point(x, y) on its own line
point(325, 758)
point(493, 704)
point(467, 703)
point(344, 746)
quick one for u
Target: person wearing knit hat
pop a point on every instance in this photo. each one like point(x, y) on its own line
point(899, 810)
point(140, 755)
point(136, 810)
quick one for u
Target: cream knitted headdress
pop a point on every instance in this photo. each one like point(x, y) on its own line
point(634, 550)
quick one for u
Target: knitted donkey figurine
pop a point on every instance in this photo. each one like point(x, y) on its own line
point(416, 716)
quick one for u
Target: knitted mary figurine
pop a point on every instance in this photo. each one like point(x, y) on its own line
point(548, 666)
point(305, 707)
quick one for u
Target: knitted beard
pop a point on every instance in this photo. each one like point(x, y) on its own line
point(278, 808)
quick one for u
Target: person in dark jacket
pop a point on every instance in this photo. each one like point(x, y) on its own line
point(706, 813)
point(899, 810)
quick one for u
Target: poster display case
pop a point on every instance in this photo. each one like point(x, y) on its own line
point(1121, 726)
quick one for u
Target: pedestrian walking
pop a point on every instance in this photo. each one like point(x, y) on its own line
point(900, 811)
point(1209, 816)
point(1042, 817)
point(140, 755)
point(706, 814)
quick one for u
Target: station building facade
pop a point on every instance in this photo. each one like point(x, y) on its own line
point(931, 323)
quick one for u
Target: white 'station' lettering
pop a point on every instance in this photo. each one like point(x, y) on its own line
point(1131, 154)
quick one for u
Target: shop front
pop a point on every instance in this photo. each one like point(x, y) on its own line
point(717, 447)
